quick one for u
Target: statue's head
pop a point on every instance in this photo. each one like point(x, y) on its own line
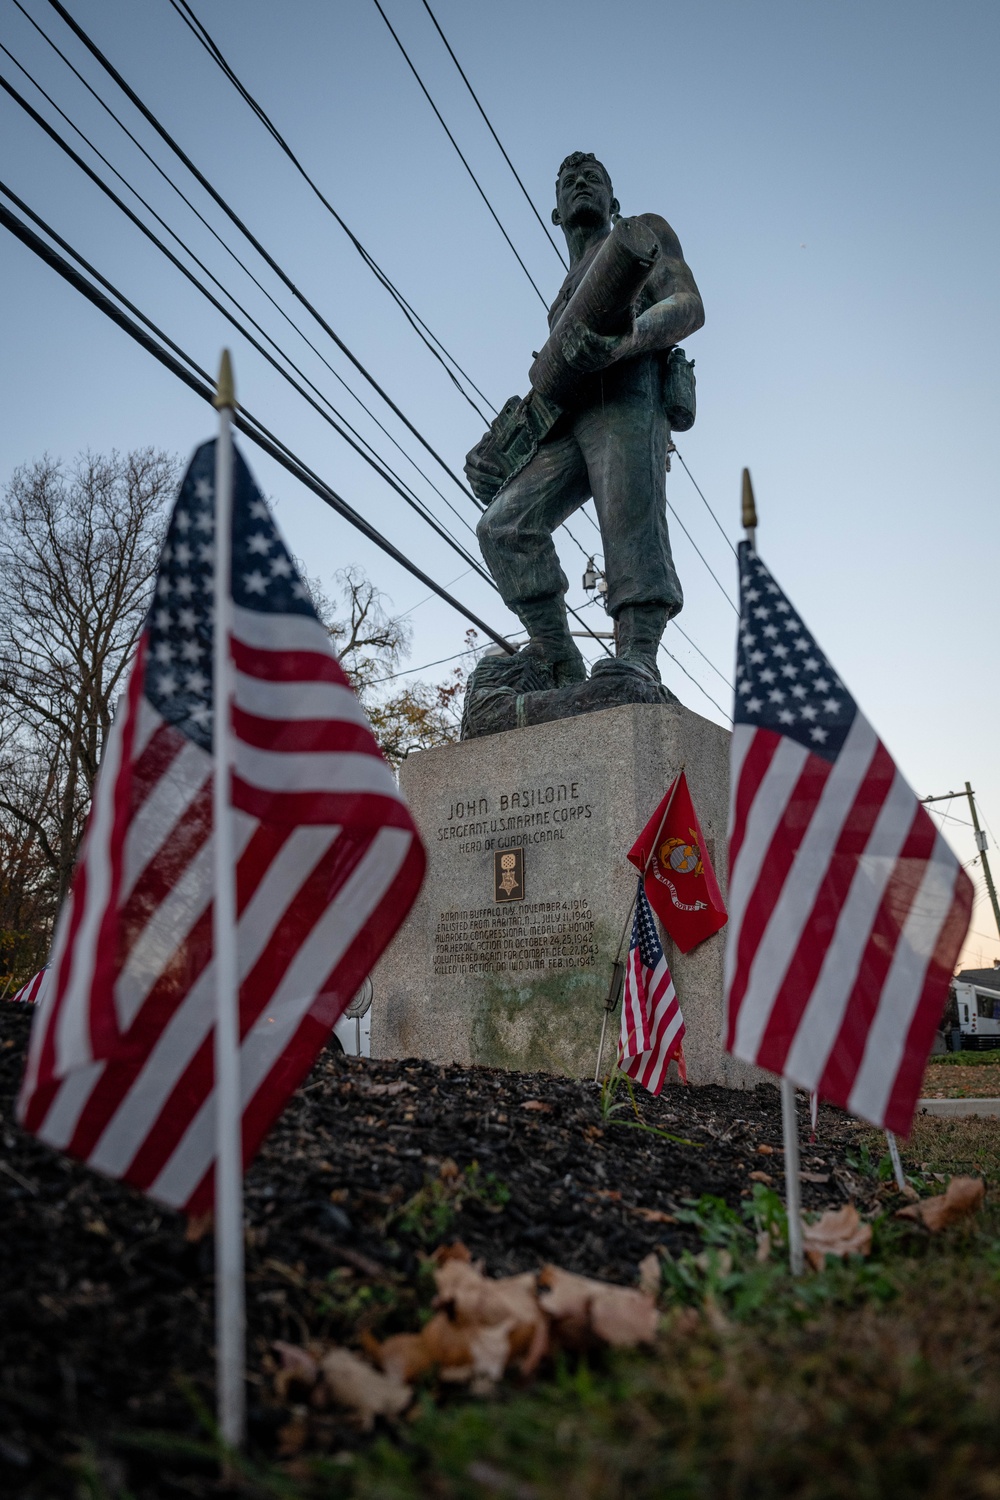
point(584, 194)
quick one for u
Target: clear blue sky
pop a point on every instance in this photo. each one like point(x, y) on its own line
point(830, 170)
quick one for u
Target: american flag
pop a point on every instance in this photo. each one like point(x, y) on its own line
point(30, 993)
point(847, 909)
point(120, 1070)
point(652, 1027)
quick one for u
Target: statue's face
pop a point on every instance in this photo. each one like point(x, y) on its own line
point(583, 195)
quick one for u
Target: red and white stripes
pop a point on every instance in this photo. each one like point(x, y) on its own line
point(847, 910)
point(328, 862)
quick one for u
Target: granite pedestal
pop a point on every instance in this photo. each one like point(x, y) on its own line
point(506, 956)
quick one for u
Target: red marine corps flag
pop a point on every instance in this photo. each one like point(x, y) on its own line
point(679, 880)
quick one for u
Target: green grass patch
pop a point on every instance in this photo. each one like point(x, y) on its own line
point(874, 1379)
point(966, 1059)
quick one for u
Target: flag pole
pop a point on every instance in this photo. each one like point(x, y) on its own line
point(609, 1003)
point(793, 1192)
point(230, 1309)
point(897, 1165)
point(789, 1120)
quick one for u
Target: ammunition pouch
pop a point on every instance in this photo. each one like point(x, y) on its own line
point(679, 391)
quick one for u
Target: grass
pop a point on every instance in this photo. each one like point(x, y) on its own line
point(872, 1380)
point(966, 1059)
point(875, 1379)
point(430, 1214)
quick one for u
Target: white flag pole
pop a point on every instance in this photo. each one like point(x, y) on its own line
point(230, 1309)
point(789, 1120)
point(897, 1165)
point(793, 1191)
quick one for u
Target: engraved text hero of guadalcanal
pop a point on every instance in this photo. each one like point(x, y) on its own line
point(607, 389)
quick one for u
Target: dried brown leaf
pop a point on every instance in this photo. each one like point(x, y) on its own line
point(963, 1196)
point(840, 1232)
point(538, 1106)
point(654, 1216)
point(764, 1177)
point(455, 1251)
point(298, 1368)
point(619, 1315)
point(650, 1274)
point(366, 1392)
point(198, 1225)
point(476, 1301)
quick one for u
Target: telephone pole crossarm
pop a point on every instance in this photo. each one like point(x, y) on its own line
point(981, 846)
point(981, 843)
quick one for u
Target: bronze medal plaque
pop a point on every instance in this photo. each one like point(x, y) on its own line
point(508, 875)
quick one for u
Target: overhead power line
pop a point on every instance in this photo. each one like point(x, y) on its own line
point(681, 631)
point(722, 588)
point(231, 214)
point(531, 204)
point(200, 382)
point(378, 465)
point(384, 473)
point(725, 534)
point(428, 337)
point(458, 149)
point(200, 31)
point(375, 461)
point(214, 232)
point(677, 662)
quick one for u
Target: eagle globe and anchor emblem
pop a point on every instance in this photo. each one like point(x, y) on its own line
point(684, 858)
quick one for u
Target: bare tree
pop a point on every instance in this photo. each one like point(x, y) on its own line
point(78, 551)
point(371, 644)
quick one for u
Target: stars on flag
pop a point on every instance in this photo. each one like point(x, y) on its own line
point(179, 680)
point(783, 680)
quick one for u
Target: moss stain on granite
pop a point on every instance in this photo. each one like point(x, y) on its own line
point(551, 1026)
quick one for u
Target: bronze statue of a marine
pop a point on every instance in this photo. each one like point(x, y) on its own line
point(606, 390)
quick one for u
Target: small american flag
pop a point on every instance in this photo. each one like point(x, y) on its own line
point(847, 909)
point(652, 1027)
point(120, 1071)
point(30, 993)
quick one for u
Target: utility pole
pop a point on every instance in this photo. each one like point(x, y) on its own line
point(981, 843)
point(981, 846)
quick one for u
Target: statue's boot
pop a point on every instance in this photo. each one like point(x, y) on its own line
point(546, 623)
point(640, 629)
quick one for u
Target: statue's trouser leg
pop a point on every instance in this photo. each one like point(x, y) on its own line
point(515, 535)
point(624, 442)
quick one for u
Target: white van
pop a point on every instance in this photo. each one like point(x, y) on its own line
point(978, 1015)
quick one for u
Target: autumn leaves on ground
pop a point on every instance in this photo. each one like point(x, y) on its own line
point(468, 1283)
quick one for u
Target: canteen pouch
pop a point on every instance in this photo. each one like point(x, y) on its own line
point(678, 391)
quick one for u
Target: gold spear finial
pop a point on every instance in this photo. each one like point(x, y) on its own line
point(749, 504)
point(225, 387)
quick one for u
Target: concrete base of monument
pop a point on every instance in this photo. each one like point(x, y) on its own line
point(505, 959)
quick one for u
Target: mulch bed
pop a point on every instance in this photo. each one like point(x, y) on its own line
point(106, 1308)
